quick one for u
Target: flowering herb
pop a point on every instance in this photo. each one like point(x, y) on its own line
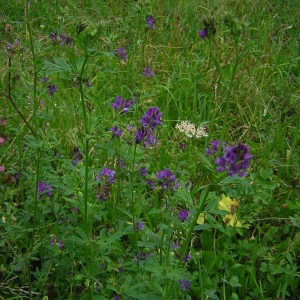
point(208, 30)
point(77, 155)
point(183, 214)
point(140, 226)
point(123, 104)
point(148, 72)
point(44, 189)
point(167, 180)
point(234, 159)
point(121, 52)
point(62, 39)
point(185, 285)
point(190, 130)
point(152, 118)
point(116, 131)
point(51, 89)
point(44, 79)
point(14, 47)
point(150, 21)
point(106, 174)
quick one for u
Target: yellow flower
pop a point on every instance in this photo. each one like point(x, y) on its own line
point(201, 219)
point(230, 205)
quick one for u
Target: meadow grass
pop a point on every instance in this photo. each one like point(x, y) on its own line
point(149, 149)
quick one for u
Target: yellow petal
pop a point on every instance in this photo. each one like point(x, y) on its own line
point(201, 219)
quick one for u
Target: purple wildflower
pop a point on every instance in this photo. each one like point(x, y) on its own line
point(148, 72)
point(44, 188)
point(183, 214)
point(116, 131)
point(208, 30)
point(150, 21)
point(121, 52)
point(124, 104)
point(108, 174)
point(143, 171)
point(234, 159)
point(53, 240)
point(203, 33)
point(77, 155)
point(75, 210)
point(152, 118)
point(44, 79)
point(51, 89)
point(62, 38)
point(14, 47)
point(186, 258)
point(122, 164)
point(174, 246)
point(167, 180)
point(214, 147)
point(140, 226)
point(185, 284)
point(61, 245)
point(53, 36)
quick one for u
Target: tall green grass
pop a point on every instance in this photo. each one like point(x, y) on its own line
point(242, 84)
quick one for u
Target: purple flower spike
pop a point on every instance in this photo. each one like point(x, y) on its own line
point(107, 174)
point(185, 285)
point(116, 131)
point(150, 21)
point(183, 214)
point(203, 33)
point(152, 118)
point(121, 52)
point(51, 89)
point(140, 226)
point(148, 72)
point(167, 180)
point(44, 188)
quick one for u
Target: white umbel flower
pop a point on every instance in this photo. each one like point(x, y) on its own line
point(190, 130)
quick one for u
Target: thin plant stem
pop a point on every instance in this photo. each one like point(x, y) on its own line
point(86, 146)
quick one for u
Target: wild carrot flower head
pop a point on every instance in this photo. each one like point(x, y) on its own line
point(190, 130)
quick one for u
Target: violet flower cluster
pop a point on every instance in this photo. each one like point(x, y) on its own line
point(106, 178)
point(121, 52)
point(167, 180)
point(233, 159)
point(146, 133)
point(148, 72)
point(107, 175)
point(62, 39)
point(14, 47)
point(208, 30)
point(44, 189)
point(151, 21)
point(123, 104)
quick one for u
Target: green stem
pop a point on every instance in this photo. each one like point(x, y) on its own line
point(35, 104)
point(86, 146)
